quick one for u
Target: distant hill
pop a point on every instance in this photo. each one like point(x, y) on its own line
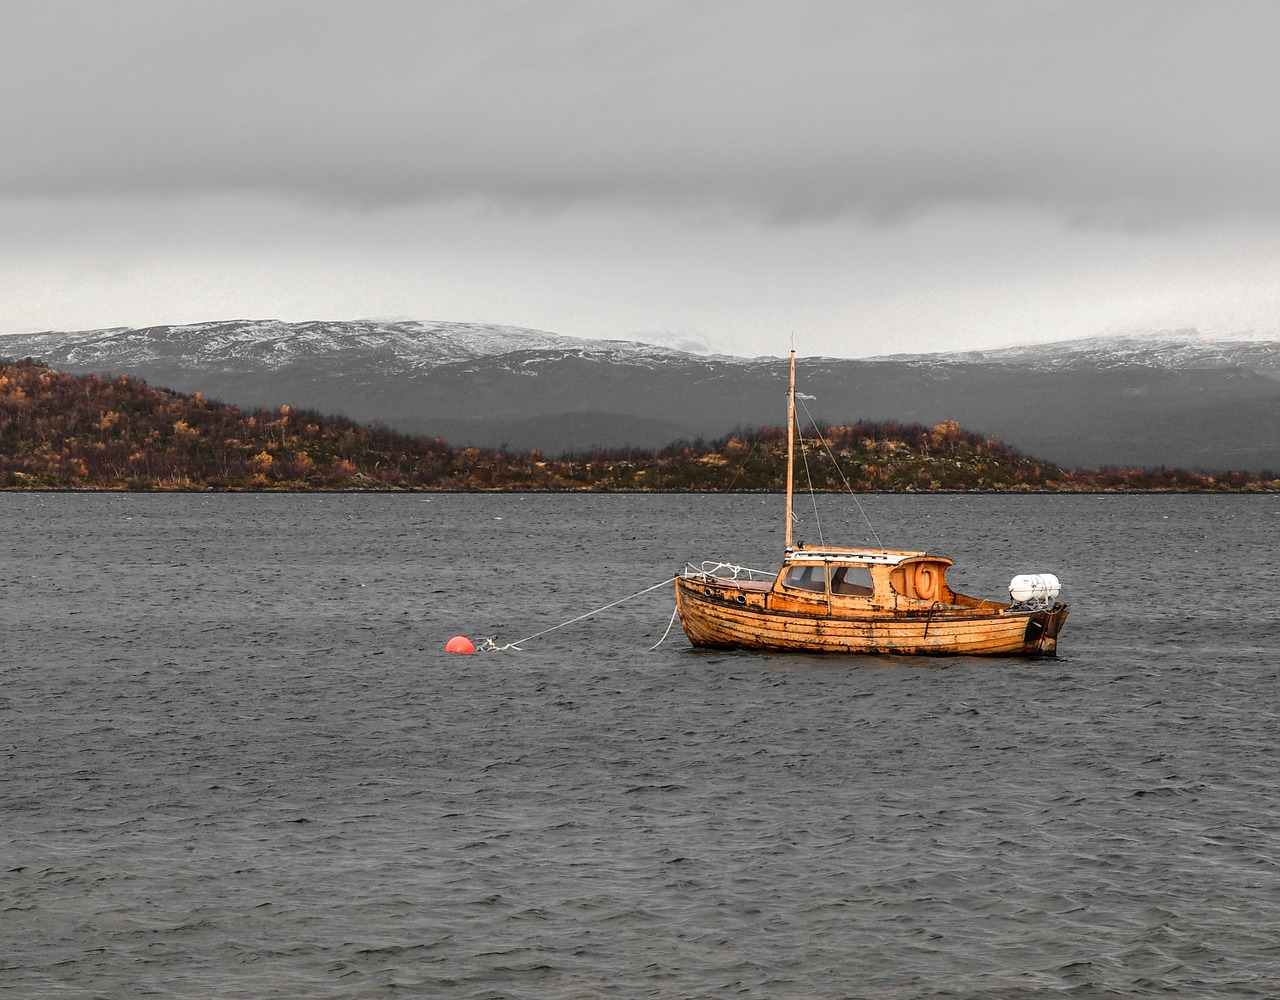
point(1169, 399)
point(60, 431)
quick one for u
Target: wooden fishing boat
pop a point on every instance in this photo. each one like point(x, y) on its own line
point(848, 600)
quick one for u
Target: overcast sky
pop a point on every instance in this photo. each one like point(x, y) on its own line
point(866, 177)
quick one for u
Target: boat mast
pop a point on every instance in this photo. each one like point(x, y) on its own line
point(791, 441)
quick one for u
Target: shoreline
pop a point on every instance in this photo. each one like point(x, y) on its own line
point(206, 491)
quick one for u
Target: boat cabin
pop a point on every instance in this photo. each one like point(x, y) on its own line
point(857, 578)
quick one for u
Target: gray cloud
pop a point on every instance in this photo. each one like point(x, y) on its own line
point(1149, 113)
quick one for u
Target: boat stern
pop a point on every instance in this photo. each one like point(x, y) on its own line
point(1041, 635)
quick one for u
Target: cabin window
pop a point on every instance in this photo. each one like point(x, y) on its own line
point(854, 581)
point(805, 578)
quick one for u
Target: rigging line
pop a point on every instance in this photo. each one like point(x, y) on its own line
point(613, 604)
point(845, 479)
point(742, 466)
point(813, 497)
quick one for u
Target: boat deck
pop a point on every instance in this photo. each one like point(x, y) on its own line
point(760, 586)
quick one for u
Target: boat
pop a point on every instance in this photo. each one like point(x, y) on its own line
point(861, 600)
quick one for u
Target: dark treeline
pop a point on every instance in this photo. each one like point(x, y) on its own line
point(61, 431)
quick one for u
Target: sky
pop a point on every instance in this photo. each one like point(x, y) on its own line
point(854, 178)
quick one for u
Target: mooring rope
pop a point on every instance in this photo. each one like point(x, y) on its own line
point(668, 631)
point(490, 646)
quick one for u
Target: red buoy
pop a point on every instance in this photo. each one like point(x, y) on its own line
point(460, 644)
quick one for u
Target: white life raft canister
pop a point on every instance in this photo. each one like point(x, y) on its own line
point(1034, 587)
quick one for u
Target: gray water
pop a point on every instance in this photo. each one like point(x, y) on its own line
point(237, 763)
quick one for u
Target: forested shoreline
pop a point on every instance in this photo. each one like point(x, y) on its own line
point(84, 432)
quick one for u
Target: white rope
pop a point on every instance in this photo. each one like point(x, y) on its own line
point(711, 570)
point(490, 645)
point(668, 631)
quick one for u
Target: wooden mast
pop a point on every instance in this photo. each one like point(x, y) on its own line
point(791, 442)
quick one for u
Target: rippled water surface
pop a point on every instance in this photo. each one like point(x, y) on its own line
point(237, 763)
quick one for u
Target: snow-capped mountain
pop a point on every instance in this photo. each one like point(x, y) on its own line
point(1168, 349)
point(269, 345)
point(403, 346)
point(1166, 398)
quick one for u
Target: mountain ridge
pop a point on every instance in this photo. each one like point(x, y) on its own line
point(274, 343)
point(1164, 349)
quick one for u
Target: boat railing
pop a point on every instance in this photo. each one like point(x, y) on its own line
point(1034, 604)
point(711, 570)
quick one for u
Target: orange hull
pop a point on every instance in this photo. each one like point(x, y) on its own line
point(725, 615)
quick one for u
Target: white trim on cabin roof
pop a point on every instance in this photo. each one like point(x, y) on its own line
point(849, 556)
